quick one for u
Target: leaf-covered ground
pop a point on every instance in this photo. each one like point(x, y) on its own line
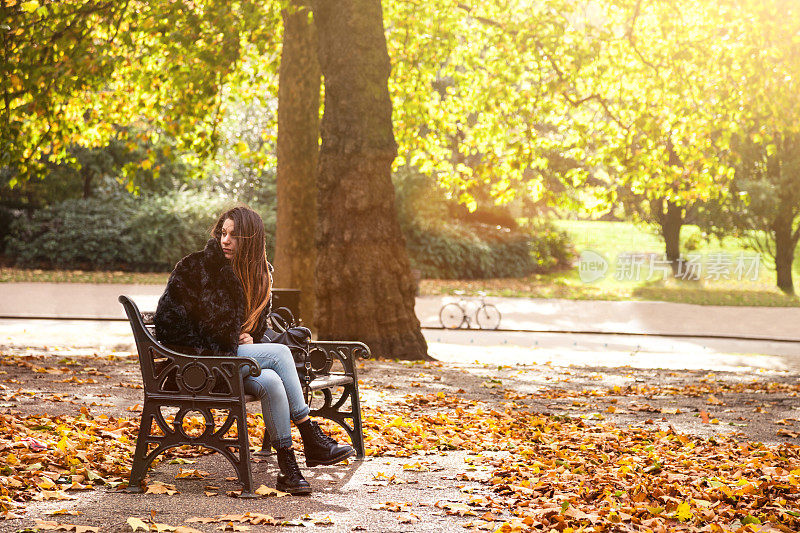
point(450, 447)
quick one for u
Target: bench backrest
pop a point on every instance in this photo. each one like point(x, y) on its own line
point(165, 371)
point(152, 355)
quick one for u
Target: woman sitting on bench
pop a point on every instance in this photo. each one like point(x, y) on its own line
point(217, 302)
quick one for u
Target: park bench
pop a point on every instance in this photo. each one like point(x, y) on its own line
point(190, 384)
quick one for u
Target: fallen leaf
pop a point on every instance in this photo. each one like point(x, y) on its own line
point(407, 518)
point(191, 474)
point(683, 512)
point(50, 525)
point(137, 523)
point(263, 490)
point(230, 526)
point(157, 487)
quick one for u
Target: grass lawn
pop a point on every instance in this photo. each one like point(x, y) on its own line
point(20, 275)
point(611, 240)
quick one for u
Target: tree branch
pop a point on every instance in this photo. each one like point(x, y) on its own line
point(562, 77)
point(631, 37)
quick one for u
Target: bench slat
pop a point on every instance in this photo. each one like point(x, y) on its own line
point(330, 380)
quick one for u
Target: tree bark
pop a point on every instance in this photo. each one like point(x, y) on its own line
point(671, 225)
point(86, 174)
point(299, 85)
point(670, 222)
point(365, 289)
point(785, 243)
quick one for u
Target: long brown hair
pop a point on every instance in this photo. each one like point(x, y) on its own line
point(249, 261)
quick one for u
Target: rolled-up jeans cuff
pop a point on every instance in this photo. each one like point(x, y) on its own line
point(302, 414)
point(285, 442)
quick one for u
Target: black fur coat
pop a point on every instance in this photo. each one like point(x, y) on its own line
point(202, 309)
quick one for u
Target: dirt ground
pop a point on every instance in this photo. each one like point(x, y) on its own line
point(388, 492)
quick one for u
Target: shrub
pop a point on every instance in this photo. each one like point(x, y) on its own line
point(449, 251)
point(73, 233)
point(693, 241)
point(551, 248)
point(446, 241)
point(137, 233)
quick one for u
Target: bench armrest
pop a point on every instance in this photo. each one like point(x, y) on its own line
point(323, 354)
point(195, 376)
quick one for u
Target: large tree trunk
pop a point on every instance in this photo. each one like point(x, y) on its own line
point(298, 150)
point(365, 290)
point(785, 243)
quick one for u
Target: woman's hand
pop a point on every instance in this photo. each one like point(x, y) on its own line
point(245, 338)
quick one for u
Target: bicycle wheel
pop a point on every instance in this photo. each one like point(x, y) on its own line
point(452, 316)
point(488, 317)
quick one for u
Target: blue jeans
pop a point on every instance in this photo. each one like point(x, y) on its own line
point(278, 387)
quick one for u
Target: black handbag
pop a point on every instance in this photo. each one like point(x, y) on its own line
point(285, 331)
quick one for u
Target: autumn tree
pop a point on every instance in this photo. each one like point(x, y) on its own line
point(764, 203)
point(672, 129)
point(365, 289)
point(75, 71)
point(763, 73)
point(558, 97)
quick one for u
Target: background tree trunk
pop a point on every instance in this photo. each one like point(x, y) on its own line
point(299, 85)
point(785, 244)
point(671, 225)
point(670, 221)
point(365, 289)
point(86, 174)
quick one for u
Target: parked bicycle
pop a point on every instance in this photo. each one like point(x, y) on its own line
point(455, 315)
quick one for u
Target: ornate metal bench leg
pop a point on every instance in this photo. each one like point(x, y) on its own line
point(243, 466)
point(358, 432)
point(139, 466)
point(266, 447)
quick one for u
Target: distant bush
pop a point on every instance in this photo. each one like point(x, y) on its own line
point(551, 248)
point(475, 251)
point(446, 241)
point(73, 233)
point(149, 232)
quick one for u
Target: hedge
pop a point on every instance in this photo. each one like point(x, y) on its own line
point(476, 251)
point(122, 231)
point(152, 232)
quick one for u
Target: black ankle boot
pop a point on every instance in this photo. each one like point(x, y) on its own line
point(319, 448)
point(290, 479)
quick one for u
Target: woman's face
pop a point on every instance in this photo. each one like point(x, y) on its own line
point(227, 240)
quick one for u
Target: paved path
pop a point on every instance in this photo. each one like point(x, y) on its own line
point(634, 317)
point(497, 347)
point(461, 346)
point(73, 300)
point(83, 300)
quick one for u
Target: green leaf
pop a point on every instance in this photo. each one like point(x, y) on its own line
point(29, 7)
